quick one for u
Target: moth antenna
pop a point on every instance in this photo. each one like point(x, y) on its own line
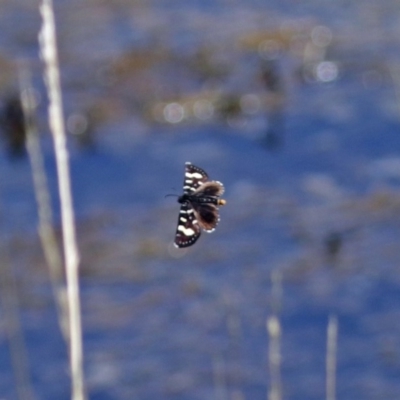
point(173, 195)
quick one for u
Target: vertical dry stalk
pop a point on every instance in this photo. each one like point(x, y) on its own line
point(394, 72)
point(274, 358)
point(274, 333)
point(276, 295)
point(221, 392)
point(331, 351)
point(18, 352)
point(46, 231)
point(47, 40)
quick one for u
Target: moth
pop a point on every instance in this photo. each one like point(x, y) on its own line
point(199, 206)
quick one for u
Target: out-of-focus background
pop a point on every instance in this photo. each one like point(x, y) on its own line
point(294, 106)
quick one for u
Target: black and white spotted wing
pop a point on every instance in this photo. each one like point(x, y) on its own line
point(194, 178)
point(188, 230)
point(199, 206)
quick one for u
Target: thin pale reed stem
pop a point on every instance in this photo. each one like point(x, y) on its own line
point(274, 357)
point(331, 351)
point(48, 48)
point(46, 231)
point(18, 352)
point(276, 295)
point(395, 75)
point(274, 332)
point(221, 391)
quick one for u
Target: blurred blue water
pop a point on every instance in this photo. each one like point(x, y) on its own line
point(158, 324)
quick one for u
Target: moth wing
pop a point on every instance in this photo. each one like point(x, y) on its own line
point(188, 230)
point(207, 215)
point(213, 188)
point(195, 177)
